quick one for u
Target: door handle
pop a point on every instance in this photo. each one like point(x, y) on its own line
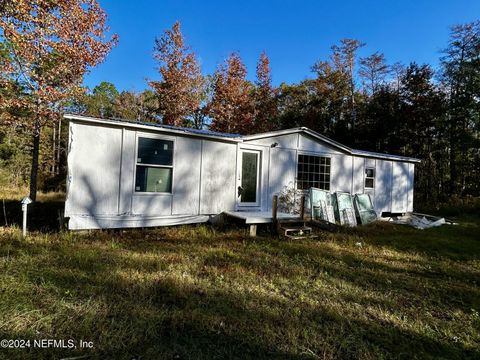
point(240, 190)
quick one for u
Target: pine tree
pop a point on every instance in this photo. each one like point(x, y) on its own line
point(461, 78)
point(373, 69)
point(178, 90)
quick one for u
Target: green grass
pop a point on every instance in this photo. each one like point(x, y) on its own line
point(202, 293)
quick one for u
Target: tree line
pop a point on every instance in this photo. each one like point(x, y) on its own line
point(364, 102)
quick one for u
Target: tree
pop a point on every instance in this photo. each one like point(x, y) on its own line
point(461, 78)
point(231, 107)
point(50, 46)
point(373, 69)
point(136, 106)
point(265, 101)
point(421, 112)
point(330, 98)
point(178, 90)
point(101, 102)
point(346, 55)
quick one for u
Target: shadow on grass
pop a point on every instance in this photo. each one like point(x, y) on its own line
point(42, 216)
point(148, 299)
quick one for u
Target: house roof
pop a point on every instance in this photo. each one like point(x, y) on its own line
point(161, 127)
point(237, 137)
point(332, 143)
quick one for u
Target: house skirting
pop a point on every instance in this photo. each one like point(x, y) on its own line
point(83, 222)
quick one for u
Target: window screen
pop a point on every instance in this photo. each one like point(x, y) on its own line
point(154, 165)
point(313, 171)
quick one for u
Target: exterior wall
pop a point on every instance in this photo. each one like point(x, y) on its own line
point(187, 172)
point(219, 163)
point(289, 141)
point(101, 181)
point(393, 189)
point(94, 181)
point(411, 171)
point(400, 183)
point(102, 164)
point(383, 185)
point(282, 171)
point(310, 144)
point(341, 173)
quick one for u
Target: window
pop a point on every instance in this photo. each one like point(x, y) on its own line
point(154, 165)
point(369, 178)
point(313, 171)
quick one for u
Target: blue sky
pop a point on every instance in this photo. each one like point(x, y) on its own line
point(294, 34)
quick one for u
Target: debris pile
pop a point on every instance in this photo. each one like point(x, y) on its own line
point(344, 209)
point(420, 221)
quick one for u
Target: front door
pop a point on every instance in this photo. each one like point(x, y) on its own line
point(248, 191)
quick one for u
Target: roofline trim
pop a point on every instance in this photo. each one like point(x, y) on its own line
point(334, 143)
point(346, 149)
point(94, 120)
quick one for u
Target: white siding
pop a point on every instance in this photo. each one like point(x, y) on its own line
point(186, 175)
point(94, 170)
point(152, 204)
point(411, 169)
point(284, 141)
point(400, 185)
point(219, 162)
point(357, 177)
point(127, 171)
point(283, 170)
point(341, 173)
point(383, 186)
point(307, 143)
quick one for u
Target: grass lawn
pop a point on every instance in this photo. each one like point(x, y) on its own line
point(200, 293)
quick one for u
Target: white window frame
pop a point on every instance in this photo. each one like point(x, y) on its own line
point(365, 177)
point(156, 137)
point(320, 155)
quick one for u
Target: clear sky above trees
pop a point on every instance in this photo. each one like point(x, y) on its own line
point(294, 34)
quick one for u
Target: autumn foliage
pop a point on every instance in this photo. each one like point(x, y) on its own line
point(179, 90)
point(231, 107)
point(47, 48)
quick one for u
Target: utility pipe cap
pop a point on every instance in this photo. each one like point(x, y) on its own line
point(26, 200)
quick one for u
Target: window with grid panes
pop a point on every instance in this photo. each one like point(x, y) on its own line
point(313, 171)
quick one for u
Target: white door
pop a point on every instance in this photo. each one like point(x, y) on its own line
point(248, 185)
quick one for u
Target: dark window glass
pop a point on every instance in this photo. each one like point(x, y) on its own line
point(155, 151)
point(313, 171)
point(370, 173)
point(369, 178)
point(249, 177)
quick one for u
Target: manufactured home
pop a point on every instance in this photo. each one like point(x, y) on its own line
point(131, 174)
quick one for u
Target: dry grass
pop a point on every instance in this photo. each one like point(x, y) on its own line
point(200, 293)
